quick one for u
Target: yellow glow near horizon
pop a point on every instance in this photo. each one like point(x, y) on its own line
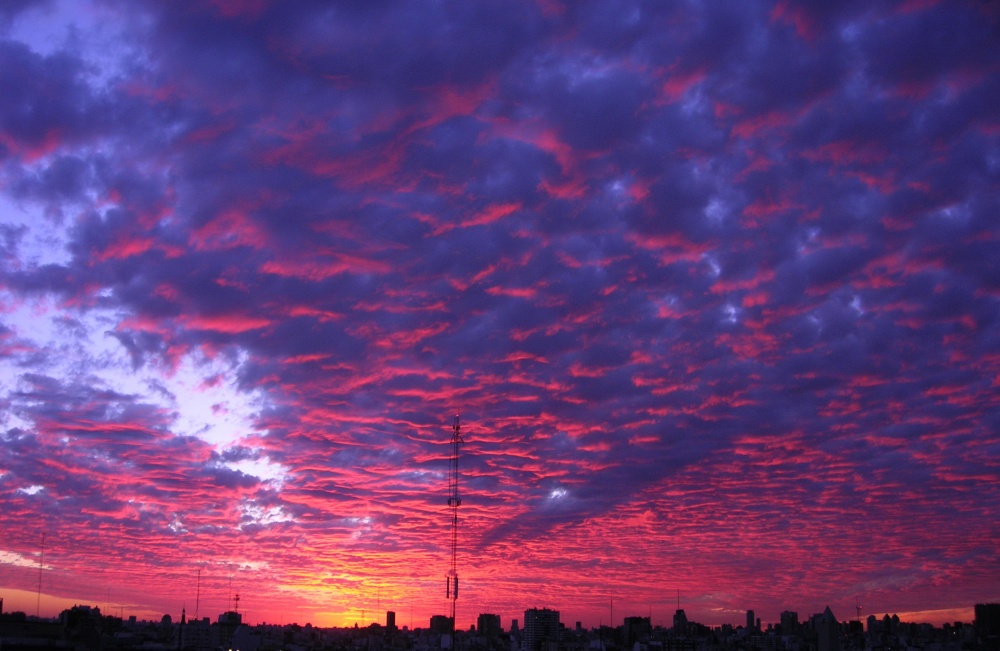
point(47, 606)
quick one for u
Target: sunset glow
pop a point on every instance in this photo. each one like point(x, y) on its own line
point(715, 288)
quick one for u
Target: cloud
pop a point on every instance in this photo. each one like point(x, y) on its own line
point(713, 291)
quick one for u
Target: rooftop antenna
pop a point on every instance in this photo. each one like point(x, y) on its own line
point(197, 595)
point(454, 501)
point(41, 562)
point(857, 606)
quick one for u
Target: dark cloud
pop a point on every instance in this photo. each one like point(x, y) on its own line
point(47, 101)
point(12, 9)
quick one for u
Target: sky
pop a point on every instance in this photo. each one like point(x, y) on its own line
point(714, 288)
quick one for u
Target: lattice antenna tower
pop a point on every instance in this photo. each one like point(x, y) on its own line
point(41, 564)
point(454, 501)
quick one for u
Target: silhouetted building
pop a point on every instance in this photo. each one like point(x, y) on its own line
point(82, 625)
point(680, 623)
point(229, 621)
point(390, 621)
point(750, 622)
point(890, 625)
point(827, 631)
point(987, 625)
point(17, 632)
point(636, 629)
point(200, 634)
point(488, 626)
point(789, 622)
point(440, 624)
point(541, 630)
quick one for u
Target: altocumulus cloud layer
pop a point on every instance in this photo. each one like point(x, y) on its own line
point(715, 288)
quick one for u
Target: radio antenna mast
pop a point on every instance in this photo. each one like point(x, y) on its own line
point(41, 564)
point(454, 501)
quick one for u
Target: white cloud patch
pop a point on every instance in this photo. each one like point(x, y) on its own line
point(200, 393)
point(253, 514)
point(17, 560)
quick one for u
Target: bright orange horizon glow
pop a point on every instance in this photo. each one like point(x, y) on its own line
point(51, 605)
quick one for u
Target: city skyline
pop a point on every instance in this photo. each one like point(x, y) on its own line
point(517, 622)
point(714, 290)
point(662, 615)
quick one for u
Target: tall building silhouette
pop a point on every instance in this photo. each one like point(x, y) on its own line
point(680, 623)
point(636, 629)
point(440, 624)
point(987, 625)
point(488, 626)
point(541, 630)
point(789, 622)
point(828, 631)
point(228, 622)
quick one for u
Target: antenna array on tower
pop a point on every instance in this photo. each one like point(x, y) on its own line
point(454, 501)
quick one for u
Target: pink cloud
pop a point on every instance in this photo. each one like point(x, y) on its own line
point(226, 323)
